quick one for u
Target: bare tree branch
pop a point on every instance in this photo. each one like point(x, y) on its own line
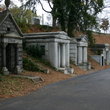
point(49, 4)
point(43, 7)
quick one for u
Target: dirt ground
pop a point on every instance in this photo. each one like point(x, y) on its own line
point(11, 86)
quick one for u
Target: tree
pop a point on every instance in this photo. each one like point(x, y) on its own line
point(80, 14)
point(21, 15)
point(105, 24)
point(72, 15)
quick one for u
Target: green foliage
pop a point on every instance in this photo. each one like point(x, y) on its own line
point(22, 17)
point(24, 26)
point(37, 52)
point(73, 15)
point(98, 52)
point(29, 65)
point(45, 27)
point(34, 50)
point(77, 15)
point(91, 40)
point(105, 24)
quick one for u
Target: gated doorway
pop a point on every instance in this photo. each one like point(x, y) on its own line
point(11, 57)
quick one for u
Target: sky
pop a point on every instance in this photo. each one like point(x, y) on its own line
point(47, 19)
point(105, 13)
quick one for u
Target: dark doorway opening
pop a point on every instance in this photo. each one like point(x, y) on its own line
point(11, 57)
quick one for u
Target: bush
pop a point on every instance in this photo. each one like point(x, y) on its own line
point(34, 51)
point(29, 65)
point(91, 40)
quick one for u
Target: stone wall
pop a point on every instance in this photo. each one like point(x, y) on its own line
point(8, 25)
point(78, 52)
point(40, 44)
point(56, 47)
point(73, 52)
point(103, 58)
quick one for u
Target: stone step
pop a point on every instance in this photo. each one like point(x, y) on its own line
point(66, 70)
point(35, 79)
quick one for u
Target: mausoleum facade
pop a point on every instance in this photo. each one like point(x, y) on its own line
point(78, 52)
point(10, 44)
point(102, 55)
point(56, 46)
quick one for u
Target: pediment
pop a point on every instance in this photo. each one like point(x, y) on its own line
point(8, 24)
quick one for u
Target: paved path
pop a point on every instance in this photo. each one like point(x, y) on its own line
point(89, 92)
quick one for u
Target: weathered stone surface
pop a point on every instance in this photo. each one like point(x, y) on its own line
point(56, 46)
point(10, 38)
point(104, 57)
point(78, 52)
point(35, 79)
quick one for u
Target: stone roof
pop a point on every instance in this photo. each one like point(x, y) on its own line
point(81, 38)
point(2, 17)
point(12, 35)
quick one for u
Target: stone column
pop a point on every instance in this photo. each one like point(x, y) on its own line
point(4, 69)
point(63, 55)
point(17, 69)
point(67, 50)
point(55, 54)
point(79, 54)
point(59, 55)
point(108, 58)
point(85, 55)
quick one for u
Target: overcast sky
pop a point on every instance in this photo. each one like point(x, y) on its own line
point(104, 14)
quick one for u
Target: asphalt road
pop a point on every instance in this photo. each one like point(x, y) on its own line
point(88, 92)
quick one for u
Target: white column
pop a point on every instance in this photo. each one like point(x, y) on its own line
point(85, 55)
point(79, 55)
point(104, 53)
point(67, 50)
point(55, 54)
point(108, 58)
point(59, 55)
point(18, 68)
point(63, 55)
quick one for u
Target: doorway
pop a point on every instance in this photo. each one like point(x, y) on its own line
point(11, 57)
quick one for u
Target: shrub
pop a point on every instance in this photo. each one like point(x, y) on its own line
point(91, 40)
point(29, 65)
point(34, 51)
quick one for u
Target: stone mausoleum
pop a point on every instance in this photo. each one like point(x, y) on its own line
point(78, 52)
point(55, 46)
point(102, 55)
point(10, 44)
